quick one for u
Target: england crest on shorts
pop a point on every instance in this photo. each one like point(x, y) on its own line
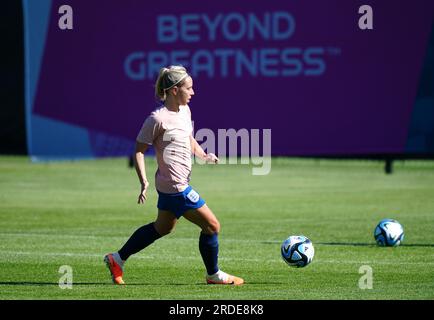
point(193, 196)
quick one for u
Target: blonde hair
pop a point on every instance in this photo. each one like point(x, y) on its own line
point(169, 78)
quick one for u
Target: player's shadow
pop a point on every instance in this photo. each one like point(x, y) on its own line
point(39, 283)
point(361, 244)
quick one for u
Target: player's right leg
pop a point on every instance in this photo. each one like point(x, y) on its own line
point(209, 246)
point(140, 239)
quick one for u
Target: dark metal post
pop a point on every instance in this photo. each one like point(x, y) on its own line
point(130, 162)
point(388, 168)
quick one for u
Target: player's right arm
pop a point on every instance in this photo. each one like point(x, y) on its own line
point(151, 129)
point(139, 163)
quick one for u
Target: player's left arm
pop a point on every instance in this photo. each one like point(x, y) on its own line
point(197, 150)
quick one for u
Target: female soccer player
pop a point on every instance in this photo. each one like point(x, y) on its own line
point(169, 130)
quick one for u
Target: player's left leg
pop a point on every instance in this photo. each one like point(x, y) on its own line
point(209, 246)
point(147, 234)
point(140, 239)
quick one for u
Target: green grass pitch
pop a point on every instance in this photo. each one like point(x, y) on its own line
point(72, 213)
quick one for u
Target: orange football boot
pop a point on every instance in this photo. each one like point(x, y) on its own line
point(115, 269)
point(223, 278)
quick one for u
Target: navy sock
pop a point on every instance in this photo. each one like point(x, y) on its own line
point(209, 250)
point(139, 240)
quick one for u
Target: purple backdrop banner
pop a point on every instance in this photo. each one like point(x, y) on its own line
point(304, 69)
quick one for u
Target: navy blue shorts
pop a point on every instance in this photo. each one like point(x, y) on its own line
point(180, 202)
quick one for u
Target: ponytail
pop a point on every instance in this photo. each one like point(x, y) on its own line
point(169, 78)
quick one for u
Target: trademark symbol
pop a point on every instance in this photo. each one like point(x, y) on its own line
point(333, 51)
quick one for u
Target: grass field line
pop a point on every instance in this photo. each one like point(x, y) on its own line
point(221, 239)
point(198, 258)
point(48, 235)
point(91, 255)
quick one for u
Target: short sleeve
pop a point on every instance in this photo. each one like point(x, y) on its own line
point(149, 131)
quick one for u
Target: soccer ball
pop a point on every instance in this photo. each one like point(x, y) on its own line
point(389, 233)
point(297, 251)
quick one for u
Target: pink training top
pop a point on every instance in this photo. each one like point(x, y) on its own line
point(169, 132)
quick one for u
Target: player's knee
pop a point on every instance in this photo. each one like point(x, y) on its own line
point(214, 227)
point(164, 230)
